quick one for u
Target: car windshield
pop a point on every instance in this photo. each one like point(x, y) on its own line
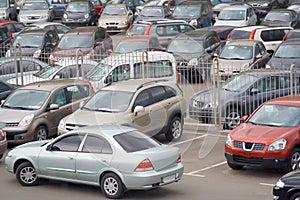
point(151, 12)
point(114, 11)
point(109, 101)
point(26, 99)
point(152, 3)
point(237, 52)
point(137, 29)
point(78, 7)
point(98, 72)
point(3, 4)
point(46, 72)
point(288, 51)
point(240, 34)
point(35, 6)
point(135, 141)
point(271, 115)
point(275, 16)
point(186, 11)
point(186, 46)
point(29, 40)
point(71, 41)
point(239, 83)
point(131, 46)
point(232, 15)
point(293, 35)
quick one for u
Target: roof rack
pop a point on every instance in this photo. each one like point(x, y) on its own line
point(151, 82)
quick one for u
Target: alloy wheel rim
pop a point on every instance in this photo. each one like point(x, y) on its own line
point(176, 130)
point(28, 175)
point(233, 119)
point(295, 161)
point(41, 134)
point(111, 186)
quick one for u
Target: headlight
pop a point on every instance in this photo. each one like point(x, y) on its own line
point(8, 53)
point(124, 22)
point(279, 184)
point(277, 145)
point(209, 105)
point(193, 62)
point(193, 22)
point(37, 53)
point(26, 120)
point(65, 16)
point(228, 140)
point(86, 16)
point(9, 154)
point(265, 5)
point(62, 124)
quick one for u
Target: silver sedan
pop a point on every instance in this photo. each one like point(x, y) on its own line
point(116, 158)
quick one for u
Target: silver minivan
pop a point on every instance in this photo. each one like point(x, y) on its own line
point(136, 65)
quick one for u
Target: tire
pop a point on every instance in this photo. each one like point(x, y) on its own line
point(294, 161)
point(26, 174)
point(295, 196)
point(41, 133)
point(234, 166)
point(232, 118)
point(175, 129)
point(112, 186)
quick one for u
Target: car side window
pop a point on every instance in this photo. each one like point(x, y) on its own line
point(121, 72)
point(3, 87)
point(167, 30)
point(58, 98)
point(273, 35)
point(11, 28)
point(257, 50)
point(184, 28)
point(210, 42)
point(69, 143)
point(143, 99)
point(73, 93)
point(96, 144)
point(158, 94)
point(267, 84)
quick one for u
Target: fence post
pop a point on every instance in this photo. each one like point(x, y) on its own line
point(143, 63)
point(15, 47)
point(292, 71)
point(81, 58)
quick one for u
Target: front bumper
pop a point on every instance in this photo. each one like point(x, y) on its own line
point(115, 28)
point(3, 146)
point(18, 136)
point(281, 193)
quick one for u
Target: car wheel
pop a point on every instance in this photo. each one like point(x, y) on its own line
point(112, 186)
point(175, 129)
point(295, 196)
point(26, 174)
point(234, 166)
point(41, 133)
point(232, 118)
point(294, 161)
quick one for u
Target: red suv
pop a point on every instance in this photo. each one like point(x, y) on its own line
point(268, 138)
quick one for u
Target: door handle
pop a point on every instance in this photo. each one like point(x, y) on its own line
point(71, 158)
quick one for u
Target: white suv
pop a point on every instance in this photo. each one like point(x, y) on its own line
point(150, 105)
point(270, 36)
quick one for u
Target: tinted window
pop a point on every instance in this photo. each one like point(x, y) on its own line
point(273, 35)
point(170, 30)
point(143, 99)
point(158, 94)
point(239, 34)
point(3, 87)
point(153, 69)
point(135, 141)
point(58, 98)
point(69, 143)
point(95, 144)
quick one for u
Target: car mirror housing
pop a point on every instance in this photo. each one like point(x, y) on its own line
point(54, 106)
point(244, 118)
point(138, 109)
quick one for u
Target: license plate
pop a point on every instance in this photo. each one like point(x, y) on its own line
point(112, 27)
point(168, 178)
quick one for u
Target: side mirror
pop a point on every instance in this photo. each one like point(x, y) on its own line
point(244, 118)
point(138, 109)
point(258, 56)
point(270, 51)
point(108, 80)
point(2, 101)
point(54, 106)
point(81, 104)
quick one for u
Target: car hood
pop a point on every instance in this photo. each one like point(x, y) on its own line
point(291, 178)
point(33, 12)
point(185, 57)
point(70, 52)
point(26, 51)
point(258, 134)
point(256, 3)
point(30, 78)
point(230, 23)
point(207, 96)
point(188, 19)
point(75, 15)
point(233, 65)
point(33, 144)
point(113, 18)
point(282, 63)
point(14, 115)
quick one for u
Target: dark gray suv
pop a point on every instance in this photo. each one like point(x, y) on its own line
point(8, 10)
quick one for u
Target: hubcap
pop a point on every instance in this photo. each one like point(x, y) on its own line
point(111, 186)
point(41, 134)
point(176, 129)
point(28, 175)
point(295, 161)
point(233, 119)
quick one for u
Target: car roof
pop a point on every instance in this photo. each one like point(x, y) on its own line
point(34, 30)
point(52, 84)
point(3, 22)
point(198, 33)
point(293, 100)
point(138, 38)
point(237, 7)
point(246, 42)
point(88, 29)
point(160, 21)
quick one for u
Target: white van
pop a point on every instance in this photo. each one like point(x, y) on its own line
point(136, 65)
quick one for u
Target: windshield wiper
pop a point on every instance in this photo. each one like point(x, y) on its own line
point(103, 110)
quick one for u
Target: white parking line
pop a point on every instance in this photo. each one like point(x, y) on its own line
point(195, 138)
point(195, 175)
point(207, 168)
point(266, 184)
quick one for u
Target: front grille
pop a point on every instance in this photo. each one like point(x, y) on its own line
point(249, 146)
point(112, 23)
point(253, 161)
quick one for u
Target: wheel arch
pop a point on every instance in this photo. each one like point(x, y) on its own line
point(113, 172)
point(20, 161)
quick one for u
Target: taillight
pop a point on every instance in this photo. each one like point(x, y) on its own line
point(284, 37)
point(147, 30)
point(179, 158)
point(145, 165)
point(251, 37)
point(3, 135)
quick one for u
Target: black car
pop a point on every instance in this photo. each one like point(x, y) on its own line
point(38, 43)
point(280, 17)
point(286, 55)
point(240, 95)
point(5, 40)
point(80, 13)
point(287, 187)
point(153, 12)
point(193, 51)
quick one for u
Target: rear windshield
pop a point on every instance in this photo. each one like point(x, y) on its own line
point(240, 34)
point(155, 69)
point(135, 141)
point(137, 29)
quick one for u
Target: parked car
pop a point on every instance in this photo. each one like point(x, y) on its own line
point(287, 187)
point(135, 65)
point(193, 52)
point(98, 6)
point(147, 165)
point(116, 18)
point(266, 5)
point(164, 30)
point(5, 40)
point(86, 42)
point(33, 112)
point(38, 43)
point(3, 143)
point(35, 11)
point(61, 29)
point(286, 55)
point(138, 43)
point(152, 106)
point(198, 14)
point(237, 15)
point(132, 4)
point(170, 4)
point(58, 7)
point(222, 31)
point(80, 13)
point(292, 34)
point(266, 139)
point(241, 95)
point(270, 36)
point(281, 17)
point(153, 12)
point(296, 8)
point(8, 10)
point(241, 55)
point(12, 26)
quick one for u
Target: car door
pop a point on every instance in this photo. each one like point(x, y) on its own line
point(59, 158)
point(96, 154)
point(261, 56)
